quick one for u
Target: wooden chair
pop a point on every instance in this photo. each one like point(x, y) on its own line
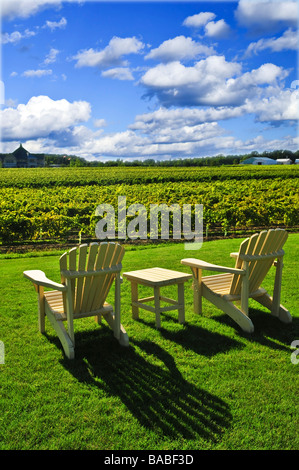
point(253, 261)
point(87, 274)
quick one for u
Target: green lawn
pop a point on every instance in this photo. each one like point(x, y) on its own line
point(202, 385)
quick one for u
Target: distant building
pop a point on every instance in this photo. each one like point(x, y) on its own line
point(21, 158)
point(284, 161)
point(259, 161)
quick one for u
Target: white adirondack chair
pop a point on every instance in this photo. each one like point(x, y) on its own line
point(253, 261)
point(87, 274)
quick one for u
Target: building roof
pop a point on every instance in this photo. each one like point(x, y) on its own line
point(21, 153)
point(260, 159)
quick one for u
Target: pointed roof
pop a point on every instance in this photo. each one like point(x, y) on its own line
point(21, 152)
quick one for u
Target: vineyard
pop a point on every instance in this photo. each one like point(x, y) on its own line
point(59, 203)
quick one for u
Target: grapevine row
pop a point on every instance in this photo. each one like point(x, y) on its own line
point(50, 212)
point(62, 177)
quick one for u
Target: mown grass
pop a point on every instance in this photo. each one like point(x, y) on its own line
point(202, 385)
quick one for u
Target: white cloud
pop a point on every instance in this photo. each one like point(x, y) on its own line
point(288, 41)
point(24, 8)
point(179, 48)
point(282, 106)
point(210, 82)
point(169, 140)
point(111, 55)
point(56, 24)
point(265, 74)
point(16, 36)
point(99, 123)
point(172, 137)
point(199, 20)
point(212, 140)
point(160, 134)
point(36, 73)
point(51, 57)
point(41, 116)
point(180, 117)
point(267, 14)
point(118, 73)
point(217, 29)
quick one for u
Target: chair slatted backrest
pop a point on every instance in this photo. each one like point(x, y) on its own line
point(90, 272)
point(259, 251)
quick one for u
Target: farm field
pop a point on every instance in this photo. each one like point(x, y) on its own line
point(204, 385)
point(59, 203)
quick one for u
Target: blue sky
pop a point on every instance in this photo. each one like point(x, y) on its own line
point(110, 80)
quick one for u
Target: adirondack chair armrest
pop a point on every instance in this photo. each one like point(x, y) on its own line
point(234, 254)
point(39, 278)
point(197, 263)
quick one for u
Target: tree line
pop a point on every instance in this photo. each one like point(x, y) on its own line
point(217, 160)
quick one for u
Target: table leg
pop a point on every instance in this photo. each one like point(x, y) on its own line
point(157, 306)
point(134, 298)
point(181, 300)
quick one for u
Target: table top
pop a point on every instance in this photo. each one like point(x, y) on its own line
point(157, 276)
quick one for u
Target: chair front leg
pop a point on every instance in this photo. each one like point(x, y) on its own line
point(41, 308)
point(277, 288)
point(245, 289)
point(197, 290)
point(117, 307)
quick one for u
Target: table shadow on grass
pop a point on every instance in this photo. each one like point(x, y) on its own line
point(145, 378)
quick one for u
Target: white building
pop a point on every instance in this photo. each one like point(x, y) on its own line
point(284, 161)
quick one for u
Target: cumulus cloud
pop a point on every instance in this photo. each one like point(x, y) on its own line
point(267, 14)
point(99, 123)
point(214, 29)
point(169, 140)
point(199, 20)
point(41, 116)
point(118, 73)
point(24, 8)
point(51, 57)
point(16, 36)
point(179, 48)
point(288, 41)
point(282, 106)
point(164, 132)
point(111, 55)
point(36, 73)
point(217, 29)
point(52, 25)
point(212, 81)
point(180, 117)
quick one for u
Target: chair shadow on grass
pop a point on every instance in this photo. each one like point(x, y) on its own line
point(268, 331)
point(145, 378)
point(193, 337)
